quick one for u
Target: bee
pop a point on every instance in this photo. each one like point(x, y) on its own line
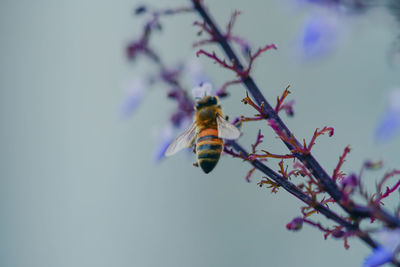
point(207, 131)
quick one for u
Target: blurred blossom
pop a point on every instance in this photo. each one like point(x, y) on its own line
point(314, 1)
point(373, 165)
point(389, 124)
point(389, 239)
point(390, 243)
point(140, 10)
point(202, 90)
point(165, 137)
point(378, 257)
point(320, 35)
point(350, 181)
point(195, 73)
point(331, 6)
point(349, 184)
point(133, 98)
point(352, 6)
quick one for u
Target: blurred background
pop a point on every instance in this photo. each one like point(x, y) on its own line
point(79, 185)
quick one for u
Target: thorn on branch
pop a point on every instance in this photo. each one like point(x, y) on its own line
point(256, 118)
point(258, 141)
point(259, 109)
point(317, 133)
point(270, 184)
point(337, 174)
point(283, 170)
point(280, 105)
point(379, 195)
point(260, 51)
point(141, 46)
point(249, 174)
point(231, 152)
point(305, 150)
point(269, 155)
point(240, 72)
point(336, 232)
point(231, 22)
point(221, 62)
point(228, 36)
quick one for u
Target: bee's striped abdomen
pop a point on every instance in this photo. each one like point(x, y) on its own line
point(208, 149)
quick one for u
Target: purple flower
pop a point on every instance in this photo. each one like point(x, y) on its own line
point(390, 242)
point(195, 73)
point(378, 257)
point(133, 98)
point(321, 2)
point(389, 238)
point(319, 35)
point(350, 181)
point(389, 124)
point(349, 184)
point(165, 137)
point(351, 6)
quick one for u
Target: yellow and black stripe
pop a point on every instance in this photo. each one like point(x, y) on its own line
point(208, 149)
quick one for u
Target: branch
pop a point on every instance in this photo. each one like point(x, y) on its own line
point(308, 160)
point(336, 171)
point(295, 191)
point(389, 190)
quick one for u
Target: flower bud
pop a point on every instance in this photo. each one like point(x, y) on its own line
point(338, 234)
point(295, 224)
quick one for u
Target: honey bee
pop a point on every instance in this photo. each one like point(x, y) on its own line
point(207, 131)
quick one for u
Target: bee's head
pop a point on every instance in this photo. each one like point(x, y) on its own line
point(207, 101)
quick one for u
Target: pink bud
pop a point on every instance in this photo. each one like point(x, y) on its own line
point(295, 224)
point(338, 233)
point(350, 181)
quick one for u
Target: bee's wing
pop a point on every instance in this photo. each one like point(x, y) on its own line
point(184, 140)
point(227, 130)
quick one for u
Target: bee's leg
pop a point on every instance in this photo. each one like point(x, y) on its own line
point(196, 164)
point(194, 149)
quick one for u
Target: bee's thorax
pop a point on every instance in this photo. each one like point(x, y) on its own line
point(206, 101)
